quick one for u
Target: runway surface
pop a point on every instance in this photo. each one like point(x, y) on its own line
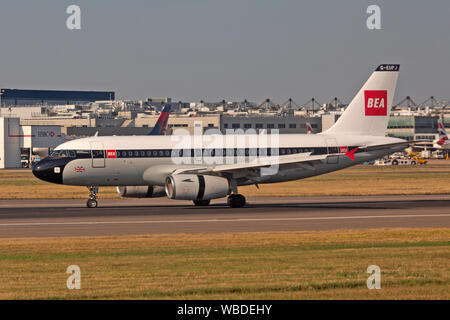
point(50, 218)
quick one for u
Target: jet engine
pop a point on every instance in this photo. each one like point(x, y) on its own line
point(141, 191)
point(196, 187)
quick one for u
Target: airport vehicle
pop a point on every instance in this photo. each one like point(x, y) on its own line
point(24, 161)
point(154, 166)
point(399, 161)
point(418, 157)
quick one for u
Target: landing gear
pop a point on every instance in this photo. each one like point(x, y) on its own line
point(92, 201)
point(236, 200)
point(201, 202)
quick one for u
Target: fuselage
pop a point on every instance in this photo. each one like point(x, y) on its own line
point(147, 160)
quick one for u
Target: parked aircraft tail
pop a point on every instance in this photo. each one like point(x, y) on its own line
point(368, 112)
point(161, 125)
point(309, 129)
point(442, 134)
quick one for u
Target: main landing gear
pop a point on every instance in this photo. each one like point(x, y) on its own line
point(236, 200)
point(201, 203)
point(92, 201)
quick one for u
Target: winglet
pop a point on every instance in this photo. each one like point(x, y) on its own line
point(351, 153)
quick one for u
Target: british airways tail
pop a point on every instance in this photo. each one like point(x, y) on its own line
point(368, 113)
point(309, 128)
point(443, 138)
point(161, 125)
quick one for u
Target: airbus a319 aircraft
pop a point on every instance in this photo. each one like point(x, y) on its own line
point(150, 166)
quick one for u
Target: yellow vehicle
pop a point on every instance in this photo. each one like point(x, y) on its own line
point(418, 160)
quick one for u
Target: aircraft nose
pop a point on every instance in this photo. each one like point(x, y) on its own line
point(49, 170)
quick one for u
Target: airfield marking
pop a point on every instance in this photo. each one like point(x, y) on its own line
point(219, 220)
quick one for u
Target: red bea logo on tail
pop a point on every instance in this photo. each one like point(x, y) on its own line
point(375, 102)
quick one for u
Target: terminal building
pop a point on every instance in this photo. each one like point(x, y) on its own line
point(19, 145)
point(415, 127)
point(20, 97)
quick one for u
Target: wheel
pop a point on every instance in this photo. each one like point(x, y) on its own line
point(201, 202)
point(394, 162)
point(91, 203)
point(236, 201)
point(413, 163)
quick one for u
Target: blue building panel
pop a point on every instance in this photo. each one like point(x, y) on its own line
point(15, 97)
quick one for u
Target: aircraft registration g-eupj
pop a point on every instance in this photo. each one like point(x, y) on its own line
point(158, 165)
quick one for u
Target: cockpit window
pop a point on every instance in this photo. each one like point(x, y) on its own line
point(59, 154)
point(63, 154)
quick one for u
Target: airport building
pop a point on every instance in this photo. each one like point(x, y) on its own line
point(19, 145)
point(284, 124)
point(17, 97)
point(415, 127)
point(34, 121)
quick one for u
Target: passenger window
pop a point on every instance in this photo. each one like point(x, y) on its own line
point(149, 153)
point(130, 153)
point(83, 154)
point(155, 153)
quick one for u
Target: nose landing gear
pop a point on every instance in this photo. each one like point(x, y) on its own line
point(92, 201)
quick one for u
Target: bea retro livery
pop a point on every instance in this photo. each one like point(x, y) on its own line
point(155, 166)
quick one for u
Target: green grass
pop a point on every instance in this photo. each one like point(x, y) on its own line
point(271, 265)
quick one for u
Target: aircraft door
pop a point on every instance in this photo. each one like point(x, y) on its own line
point(97, 154)
point(332, 148)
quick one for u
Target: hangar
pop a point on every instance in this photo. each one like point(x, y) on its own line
point(21, 97)
point(20, 144)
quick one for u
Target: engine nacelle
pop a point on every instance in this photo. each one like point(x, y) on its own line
point(141, 191)
point(196, 187)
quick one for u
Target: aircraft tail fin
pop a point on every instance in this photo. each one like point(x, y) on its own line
point(161, 124)
point(442, 134)
point(309, 129)
point(368, 112)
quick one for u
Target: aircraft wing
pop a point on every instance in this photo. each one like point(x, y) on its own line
point(388, 145)
point(303, 159)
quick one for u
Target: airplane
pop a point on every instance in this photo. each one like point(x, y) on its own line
point(309, 129)
point(158, 166)
point(161, 124)
point(443, 138)
point(441, 143)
